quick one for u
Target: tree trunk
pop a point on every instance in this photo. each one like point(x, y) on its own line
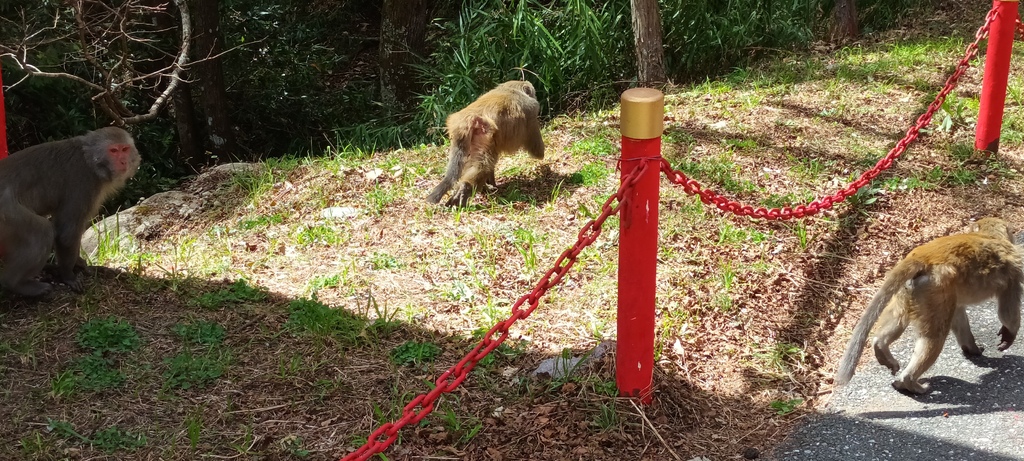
point(190, 145)
point(650, 54)
point(844, 21)
point(190, 150)
point(209, 80)
point(403, 28)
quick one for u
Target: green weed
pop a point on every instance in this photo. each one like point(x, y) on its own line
point(318, 234)
point(785, 407)
point(462, 429)
point(414, 353)
point(113, 439)
point(260, 222)
point(607, 418)
point(187, 370)
point(384, 261)
point(108, 334)
point(308, 316)
point(596, 145)
point(590, 174)
point(200, 332)
point(94, 372)
point(238, 292)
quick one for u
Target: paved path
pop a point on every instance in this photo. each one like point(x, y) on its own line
point(974, 413)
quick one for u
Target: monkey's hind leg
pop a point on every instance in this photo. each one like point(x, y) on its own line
point(891, 325)
point(473, 176)
point(26, 255)
point(460, 197)
point(964, 337)
point(926, 351)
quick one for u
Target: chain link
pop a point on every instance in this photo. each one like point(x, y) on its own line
point(421, 406)
point(711, 197)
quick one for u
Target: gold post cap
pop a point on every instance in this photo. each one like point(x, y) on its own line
point(642, 113)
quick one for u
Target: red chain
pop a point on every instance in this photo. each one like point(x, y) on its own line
point(711, 197)
point(423, 404)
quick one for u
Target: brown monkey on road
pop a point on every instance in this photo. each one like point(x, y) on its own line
point(65, 181)
point(929, 289)
point(500, 121)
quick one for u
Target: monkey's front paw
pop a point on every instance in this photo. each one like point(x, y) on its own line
point(74, 283)
point(1006, 337)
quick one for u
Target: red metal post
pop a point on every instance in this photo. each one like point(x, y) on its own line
point(3, 119)
point(997, 71)
point(642, 121)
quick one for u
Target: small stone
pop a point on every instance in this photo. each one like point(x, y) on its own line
point(339, 212)
point(751, 453)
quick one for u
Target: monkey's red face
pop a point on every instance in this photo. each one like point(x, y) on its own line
point(120, 157)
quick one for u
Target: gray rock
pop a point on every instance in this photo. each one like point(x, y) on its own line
point(560, 367)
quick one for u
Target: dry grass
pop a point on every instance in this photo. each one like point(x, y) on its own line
point(751, 314)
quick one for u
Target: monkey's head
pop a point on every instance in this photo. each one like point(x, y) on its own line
point(521, 85)
point(993, 227)
point(111, 153)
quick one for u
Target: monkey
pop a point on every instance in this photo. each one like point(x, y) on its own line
point(501, 121)
point(929, 289)
point(49, 193)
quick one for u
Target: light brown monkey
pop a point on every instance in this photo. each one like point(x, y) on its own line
point(65, 181)
point(929, 289)
point(501, 121)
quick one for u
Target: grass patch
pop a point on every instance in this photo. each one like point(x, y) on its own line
point(591, 174)
point(200, 333)
point(108, 334)
point(308, 316)
point(237, 293)
point(108, 440)
point(414, 353)
point(260, 222)
point(317, 234)
point(187, 369)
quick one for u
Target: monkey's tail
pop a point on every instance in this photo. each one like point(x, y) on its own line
point(894, 282)
point(456, 161)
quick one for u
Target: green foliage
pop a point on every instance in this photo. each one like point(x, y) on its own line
point(414, 353)
point(785, 407)
point(260, 221)
point(309, 316)
point(94, 372)
point(187, 370)
point(607, 418)
point(719, 172)
point(201, 332)
point(708, 37)
point(283, 71)
point(590, 175)
point(594, 145)
point(108, 334)
point(113, 439)
point(384, 261)
point(318, 234)
point(109, 440)
point(238, 292)
point(294, 446)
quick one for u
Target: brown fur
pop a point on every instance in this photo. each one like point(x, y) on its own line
point(929, 289)
point(49, 193)
point(501, 121)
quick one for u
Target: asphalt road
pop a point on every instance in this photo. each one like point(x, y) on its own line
point(975, 411)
